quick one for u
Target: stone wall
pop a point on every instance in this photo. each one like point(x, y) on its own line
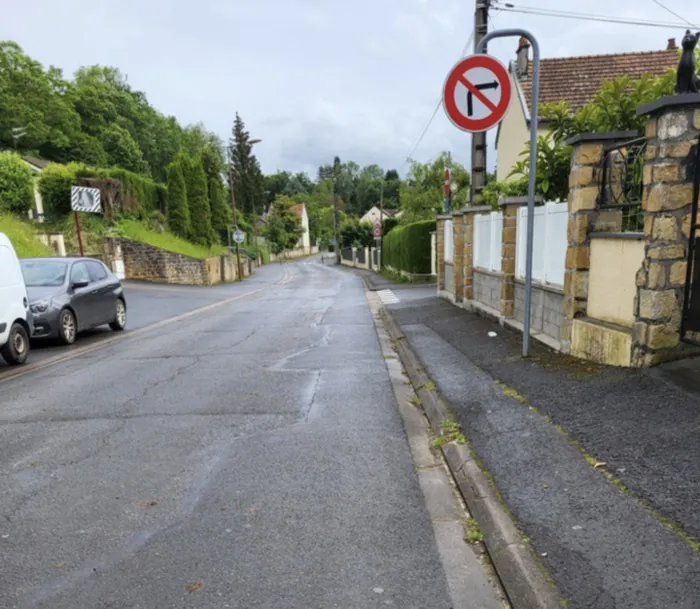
point(148, 263)
point(487, 288)
point(547, 312)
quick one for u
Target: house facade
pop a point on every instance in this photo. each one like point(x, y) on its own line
point(374, 214)
point(574, 80)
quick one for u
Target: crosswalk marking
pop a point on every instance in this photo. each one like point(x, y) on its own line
point(387, 297)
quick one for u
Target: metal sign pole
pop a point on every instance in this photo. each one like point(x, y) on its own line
point(533, 166)
point(77, 230)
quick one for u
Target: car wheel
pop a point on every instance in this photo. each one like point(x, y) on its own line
point(119, 322)
point(16, 350)
point(67, 327)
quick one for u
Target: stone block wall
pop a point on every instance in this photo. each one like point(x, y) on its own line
point(547, 308)
point(672, 129)
point(487, 288)
point(148, 263)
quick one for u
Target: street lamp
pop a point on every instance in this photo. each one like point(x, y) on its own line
point(233, 207)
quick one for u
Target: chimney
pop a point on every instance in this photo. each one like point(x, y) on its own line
point(671, 44)
point(521, 55)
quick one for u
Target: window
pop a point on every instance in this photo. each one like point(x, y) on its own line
point(97, 271)
point(79, 273)
point(43, 273)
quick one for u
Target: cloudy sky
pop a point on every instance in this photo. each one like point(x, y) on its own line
point(312, 78)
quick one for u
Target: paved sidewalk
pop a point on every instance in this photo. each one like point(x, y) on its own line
point(607, 544)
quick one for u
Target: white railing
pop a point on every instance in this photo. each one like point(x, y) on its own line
point(449, 241)
point(549, 243)
point(488, 238)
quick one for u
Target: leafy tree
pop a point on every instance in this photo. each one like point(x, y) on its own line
point(369, 188)
point(55, 184)
point(221, 214)
point(16, 184)
point(422, 194)
point(35, 111)
point(249, 184)
point(275, 184)
point(178, 210)
point(198, 201)
point(392, 187)
point(122, 150)
point(354, 233)
point(283, 225)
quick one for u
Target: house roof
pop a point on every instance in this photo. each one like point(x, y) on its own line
point(577, 79)
point(391, 212)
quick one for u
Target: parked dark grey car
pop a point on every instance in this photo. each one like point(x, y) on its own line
point(69, 295)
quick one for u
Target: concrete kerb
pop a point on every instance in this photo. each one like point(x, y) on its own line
point(521, 573)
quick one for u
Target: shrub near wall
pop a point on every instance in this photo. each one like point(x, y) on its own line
point(407, 248)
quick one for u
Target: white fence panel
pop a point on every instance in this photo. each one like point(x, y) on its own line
point(488, 238)
point(549, 243)
point(449, 241)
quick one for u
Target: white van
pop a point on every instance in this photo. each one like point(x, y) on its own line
point(15, 318)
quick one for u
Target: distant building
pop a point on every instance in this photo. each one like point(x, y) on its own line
point(305, 241)
point(37, 166)
point(374, 213)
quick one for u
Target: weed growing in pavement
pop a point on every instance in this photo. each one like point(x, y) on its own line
point(451, 432)
point(472, 532)
point(430, 386)
point(415, 400)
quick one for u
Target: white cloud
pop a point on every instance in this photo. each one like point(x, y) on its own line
point(357, 79)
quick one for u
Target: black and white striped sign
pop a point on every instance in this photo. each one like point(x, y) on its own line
point(85, 199)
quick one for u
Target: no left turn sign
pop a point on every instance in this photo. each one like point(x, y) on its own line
point(477, 93)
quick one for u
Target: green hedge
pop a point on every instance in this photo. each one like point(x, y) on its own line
point(407, 248)
point(139, 196)
point(16, 184)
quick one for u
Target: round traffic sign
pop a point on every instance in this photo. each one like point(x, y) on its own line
point(477, 93)
point(238, 236)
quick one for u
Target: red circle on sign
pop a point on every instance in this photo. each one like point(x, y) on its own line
point(456, 76)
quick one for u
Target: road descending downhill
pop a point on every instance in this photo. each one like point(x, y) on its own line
point(248, 456)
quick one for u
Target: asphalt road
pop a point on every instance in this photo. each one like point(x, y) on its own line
point(249, 455)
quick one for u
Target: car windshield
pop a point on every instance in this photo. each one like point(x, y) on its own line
point(44, 272)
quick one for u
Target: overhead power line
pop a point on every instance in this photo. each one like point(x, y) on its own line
point(547, 12)
point(467, 46)
point(675, 14)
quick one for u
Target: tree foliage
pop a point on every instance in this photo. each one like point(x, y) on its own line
point(221, 214)
point(178, 210)
point(248, 181)
point(198, 201)
point(16, 184)
point(283, 225)
point(422, 195)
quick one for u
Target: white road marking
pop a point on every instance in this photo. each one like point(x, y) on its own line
point(388, 297)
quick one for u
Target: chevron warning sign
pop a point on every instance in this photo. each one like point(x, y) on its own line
point(85, 199)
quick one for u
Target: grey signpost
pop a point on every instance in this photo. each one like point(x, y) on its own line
point(533, 166)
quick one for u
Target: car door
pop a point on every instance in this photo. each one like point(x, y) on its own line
point(83, 295)
point(105, 305)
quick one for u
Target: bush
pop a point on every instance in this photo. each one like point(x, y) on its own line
point(354, 233)
point(135, 195)
point(16, 184)
point(23, 236)
point(407, 248)
point(178, 212)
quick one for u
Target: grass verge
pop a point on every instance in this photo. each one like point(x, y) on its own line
point(23, 237)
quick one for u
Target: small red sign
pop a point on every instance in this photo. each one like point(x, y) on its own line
point(477, 93)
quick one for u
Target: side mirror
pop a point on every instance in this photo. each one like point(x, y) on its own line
point(80, 284)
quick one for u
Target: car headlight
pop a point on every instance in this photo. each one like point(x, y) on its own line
point(39, 307)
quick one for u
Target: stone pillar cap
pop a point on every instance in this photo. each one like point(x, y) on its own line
point(504, 201)
point(670, 101)
point(444, 217)
point(588, 138)
point(477, 209)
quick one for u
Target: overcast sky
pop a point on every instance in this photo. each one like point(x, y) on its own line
point(312, 78)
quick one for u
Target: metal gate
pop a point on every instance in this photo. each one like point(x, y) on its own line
point(690, 322)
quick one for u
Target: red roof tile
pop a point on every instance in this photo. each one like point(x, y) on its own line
point(577, 79)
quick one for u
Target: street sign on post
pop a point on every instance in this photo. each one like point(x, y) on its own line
point(477, 93)
point(87, 200)
point(238, 236)
point(377, 230)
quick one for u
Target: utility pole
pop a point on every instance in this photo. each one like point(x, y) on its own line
point(381, 221)
point(481, 20)
point(335, 226)
point(235, 220)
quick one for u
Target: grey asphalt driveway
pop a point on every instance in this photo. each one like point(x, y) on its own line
point(249, 456)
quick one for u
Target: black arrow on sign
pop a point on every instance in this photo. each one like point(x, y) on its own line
point(480, 87)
